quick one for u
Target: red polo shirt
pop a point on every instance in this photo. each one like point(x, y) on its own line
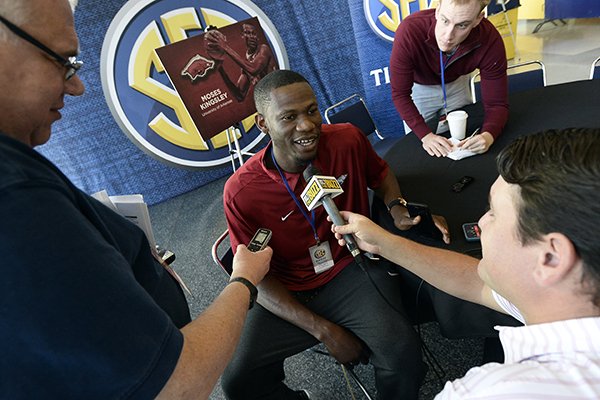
point(257, 197)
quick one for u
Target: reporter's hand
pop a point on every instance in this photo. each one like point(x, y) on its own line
point(442, 225)
point(366, 232)
point(343, 345)
point(436, 145)
point(477, 144)
point(251, 265)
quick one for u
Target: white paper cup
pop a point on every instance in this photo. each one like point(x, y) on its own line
point(457, 122)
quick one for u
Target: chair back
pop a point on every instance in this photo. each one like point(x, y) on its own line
point(353, 110)
point(595, 69)
point(521, 77)
point(222, 256)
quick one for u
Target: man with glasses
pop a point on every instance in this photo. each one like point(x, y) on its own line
point(86, 310)
point(433, 55)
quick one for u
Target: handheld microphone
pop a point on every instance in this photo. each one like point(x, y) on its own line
point(321, 190)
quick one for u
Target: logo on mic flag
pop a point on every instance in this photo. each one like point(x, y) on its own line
point(320, 186)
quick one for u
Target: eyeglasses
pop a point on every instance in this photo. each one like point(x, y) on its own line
point(71, 64)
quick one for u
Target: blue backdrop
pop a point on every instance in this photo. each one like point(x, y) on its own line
point(321, 43)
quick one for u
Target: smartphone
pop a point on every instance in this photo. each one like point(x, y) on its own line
point(260, 239)
point(461, 184)
point(472, 231)
point(426, 227)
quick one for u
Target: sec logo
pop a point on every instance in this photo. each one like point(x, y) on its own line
point(384, 16)
point(320, 253)
point(138, 91)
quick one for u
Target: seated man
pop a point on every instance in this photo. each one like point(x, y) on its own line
point(541, 264)
point(433, 55)
point(303, 303)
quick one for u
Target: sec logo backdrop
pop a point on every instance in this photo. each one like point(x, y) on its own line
point(384, 16)
point(138, 91)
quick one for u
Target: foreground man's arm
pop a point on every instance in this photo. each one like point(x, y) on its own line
point(209, 340)
point(451, 272)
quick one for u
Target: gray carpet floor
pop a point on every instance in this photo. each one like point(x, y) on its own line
point(189, 224)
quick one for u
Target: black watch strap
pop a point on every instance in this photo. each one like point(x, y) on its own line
point(396, 202)
point(251, 288)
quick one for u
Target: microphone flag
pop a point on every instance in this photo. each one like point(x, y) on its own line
point(317, 187)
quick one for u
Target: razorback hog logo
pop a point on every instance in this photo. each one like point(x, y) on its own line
point(198, 67)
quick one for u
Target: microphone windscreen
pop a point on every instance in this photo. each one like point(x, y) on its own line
point(310, 171)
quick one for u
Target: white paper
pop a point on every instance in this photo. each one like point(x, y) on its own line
point(103, 197)
point(133, 208)
point(458, 153)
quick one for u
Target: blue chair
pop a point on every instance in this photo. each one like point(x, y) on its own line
point(354, 110)
point(595, 69)
point(521, 77)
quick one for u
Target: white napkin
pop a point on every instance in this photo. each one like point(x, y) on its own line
point(458, 153)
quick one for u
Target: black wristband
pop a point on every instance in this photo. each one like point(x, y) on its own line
point(396, 202)
point(251, 288)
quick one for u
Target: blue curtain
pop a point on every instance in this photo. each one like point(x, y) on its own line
point(88, 145)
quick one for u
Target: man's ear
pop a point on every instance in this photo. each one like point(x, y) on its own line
point(557, 259)
point(260, 122)
point(479, 18)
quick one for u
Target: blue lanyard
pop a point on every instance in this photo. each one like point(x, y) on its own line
point(311, 219)
point(442, 67)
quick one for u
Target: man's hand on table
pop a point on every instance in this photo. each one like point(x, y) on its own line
point(436, 145)
point(478, 143)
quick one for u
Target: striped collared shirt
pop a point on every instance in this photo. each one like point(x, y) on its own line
point(556, 360)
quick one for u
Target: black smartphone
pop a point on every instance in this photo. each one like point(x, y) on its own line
point(260, 239)
point(426, 227)
point(461, 184)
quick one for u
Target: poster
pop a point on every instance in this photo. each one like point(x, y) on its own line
point(214, 73)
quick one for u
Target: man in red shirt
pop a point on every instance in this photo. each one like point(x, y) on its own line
point(328, 298)
point(433, 54)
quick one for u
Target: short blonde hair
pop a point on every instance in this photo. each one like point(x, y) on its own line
point(482, 3)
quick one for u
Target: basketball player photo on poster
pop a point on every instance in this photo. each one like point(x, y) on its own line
point(214, 73)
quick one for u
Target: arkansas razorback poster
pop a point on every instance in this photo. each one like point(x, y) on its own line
point(214, 73)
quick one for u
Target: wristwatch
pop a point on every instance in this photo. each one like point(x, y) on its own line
point(251, 288)
point(396, 202)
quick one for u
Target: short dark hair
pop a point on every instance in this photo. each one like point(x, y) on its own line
point(558, 173)
point(272, 81)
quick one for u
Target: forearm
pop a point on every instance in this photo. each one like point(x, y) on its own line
point(273, 296)
point(209, 342)
point(389, 188)
point(451, 272)
point(494, 89)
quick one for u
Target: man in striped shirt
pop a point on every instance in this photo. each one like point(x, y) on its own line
point(541, 264)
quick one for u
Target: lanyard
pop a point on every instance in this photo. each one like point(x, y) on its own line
point(311, 219)
point(442, 67)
